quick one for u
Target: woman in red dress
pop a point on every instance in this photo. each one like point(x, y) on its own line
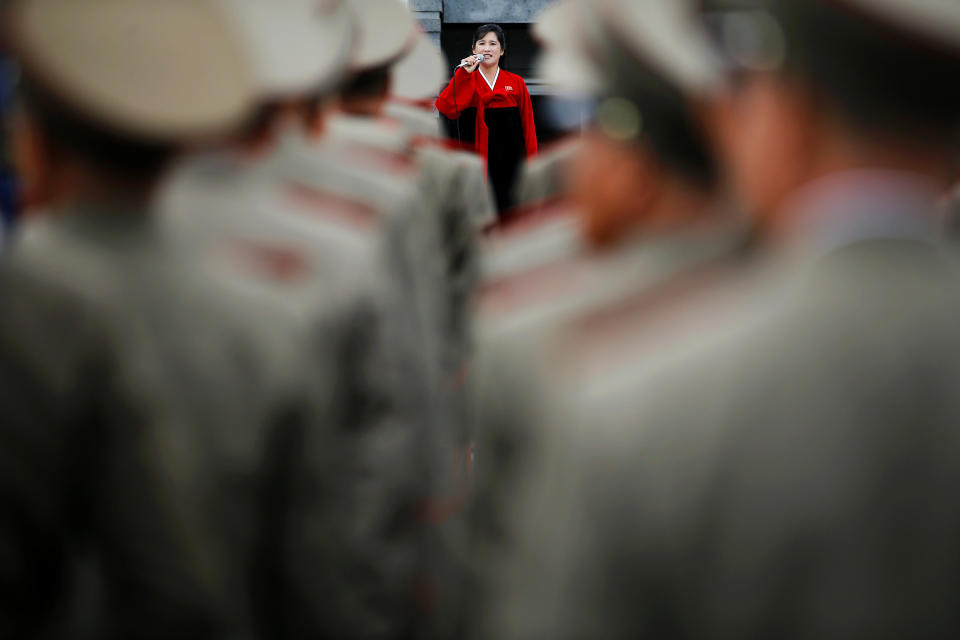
point(504, 132)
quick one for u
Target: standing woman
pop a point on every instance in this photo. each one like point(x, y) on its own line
point(505, 132)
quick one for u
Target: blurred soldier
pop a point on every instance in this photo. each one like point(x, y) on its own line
point(455, 201)
point(135, 394)
point(646, 196)
point(454, 198)
point(652, 216)
point(326, 242)
point(787, 476)
point(643, 178)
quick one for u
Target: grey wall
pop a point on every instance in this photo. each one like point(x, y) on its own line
point(481, 11)
point(430, 15)
point(434, 14)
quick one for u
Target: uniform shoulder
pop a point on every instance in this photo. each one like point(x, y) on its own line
point(420, 122)
point(66, 250)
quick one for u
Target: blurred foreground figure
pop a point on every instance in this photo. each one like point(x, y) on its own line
point(784, 474)
point(328, 244)
point(387, 120)
point(651, 219)
point(136, 396)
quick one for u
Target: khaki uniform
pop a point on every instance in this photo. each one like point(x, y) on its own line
point(544, 176)
point(441, 238)
point(454, 186)
point(548, 335)
point(554, 314)
point(325, 247)
point(140, 399)
point(441, 252)
point(759, 455)
point(472, 200)
point(155, 408)
point(529, 244)
point(773, 432)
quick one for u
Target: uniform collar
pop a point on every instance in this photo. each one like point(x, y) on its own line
point(865, 204)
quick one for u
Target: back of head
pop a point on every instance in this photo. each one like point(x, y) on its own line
point(386, 31)
point(120, 84)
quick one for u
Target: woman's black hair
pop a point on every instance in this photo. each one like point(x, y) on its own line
point(487, 28)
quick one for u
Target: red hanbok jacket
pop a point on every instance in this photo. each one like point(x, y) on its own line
point(472, 90)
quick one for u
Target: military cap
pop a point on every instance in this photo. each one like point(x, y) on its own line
point(563, 29)
point(161, 70)
point(296, 46)
point(386, 31)
point(664, 35)
point(637, 64)
point(588, 44)
point(420, 73)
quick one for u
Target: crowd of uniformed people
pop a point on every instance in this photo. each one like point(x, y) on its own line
point(273, 365)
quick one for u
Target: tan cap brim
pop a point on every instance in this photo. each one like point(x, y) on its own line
point(386, 31)
point(419, 74)
point(165, 70)
point(296, 46)
point(665, 35)
point(567, 64)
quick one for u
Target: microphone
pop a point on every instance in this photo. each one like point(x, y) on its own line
point(479, 58)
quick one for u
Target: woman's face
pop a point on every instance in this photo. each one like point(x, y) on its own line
point(489, 45)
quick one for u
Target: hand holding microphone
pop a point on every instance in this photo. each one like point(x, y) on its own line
point(471, 63)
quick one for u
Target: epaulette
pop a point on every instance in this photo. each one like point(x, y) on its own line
point(333, 206)
point(378, 144)
point(397, 163)
point(278, 263)
point(549, 239)
point(609, 337)
point(531, 287)
point(456, 145)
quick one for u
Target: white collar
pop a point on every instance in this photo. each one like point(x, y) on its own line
point(495, 78)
